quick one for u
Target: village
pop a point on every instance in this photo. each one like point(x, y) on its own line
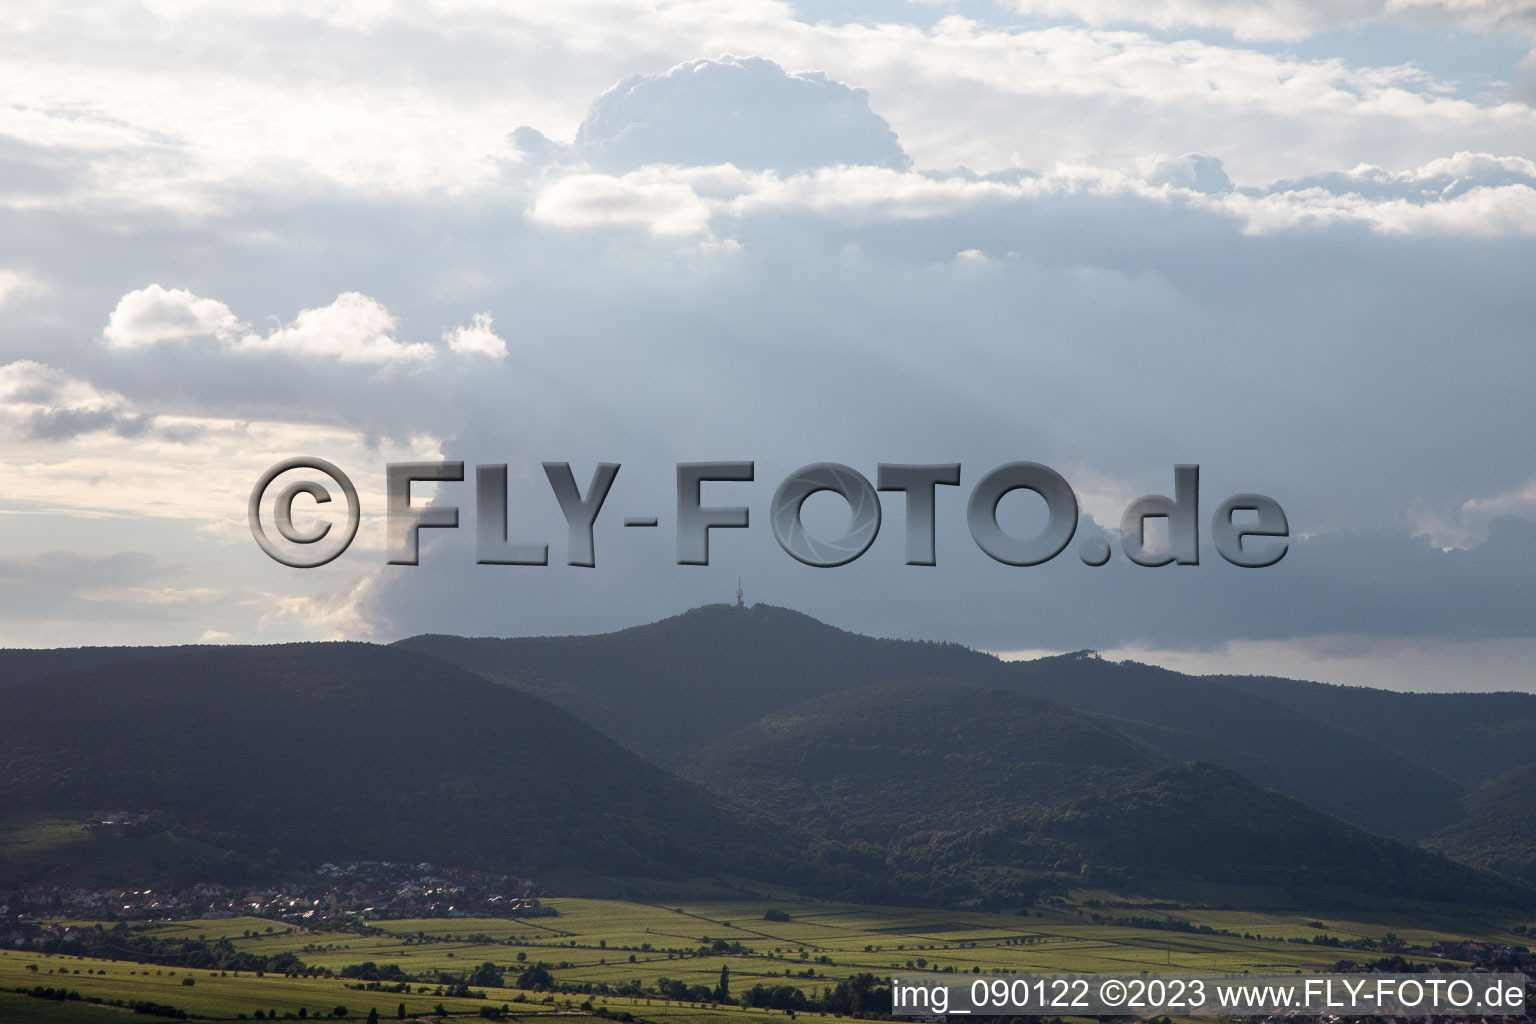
point(337, 894)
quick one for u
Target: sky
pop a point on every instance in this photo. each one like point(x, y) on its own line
point(1292, 243)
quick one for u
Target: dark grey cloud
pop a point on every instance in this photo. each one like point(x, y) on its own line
point(1107, 335)
point(1339, 583)
point(63, 424)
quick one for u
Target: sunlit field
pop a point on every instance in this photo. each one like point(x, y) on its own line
point(772, 941)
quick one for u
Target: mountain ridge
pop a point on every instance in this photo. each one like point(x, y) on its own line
point(302, 753)
point(1004, 792)
point(666, 687)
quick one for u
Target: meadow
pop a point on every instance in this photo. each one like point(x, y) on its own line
point(778, 940)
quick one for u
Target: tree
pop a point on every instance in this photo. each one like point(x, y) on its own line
point(400, 1012)
point(373, 1015)
point(487, 975)
point(536, 977)
point(723, 990)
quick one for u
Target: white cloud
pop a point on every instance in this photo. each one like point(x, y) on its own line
point(476, 339)
point(1519, 501)
point(379, 116)
point(14, 283)
point(1508, 210)
point(76, 449)
point(335, 613)
point(1468, 194)
point(598, 200)
point(1440, 178)
point(746, 111)
point(1285, 19)
point(1473, 195)
point(353, 329)
point(154, 314)
point(1468, 525)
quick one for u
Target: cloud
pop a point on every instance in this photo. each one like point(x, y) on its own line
point(1193, 171)
point(77, 449)
point(154, 314)
point(136, 597)
point(100, 126)
point(118, 569)
point(1288, 19)
point(1485, 212)
point(53, 589)
point(1469, 524)
point(666, 208)
point(1113, 250)
point(43, 403)
point(1475, 195)
point(353, 329)
point(476, 339)
point(1441, 178)
point(744, 111)
point(14, 284)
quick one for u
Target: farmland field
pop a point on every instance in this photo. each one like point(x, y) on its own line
point(782, 940)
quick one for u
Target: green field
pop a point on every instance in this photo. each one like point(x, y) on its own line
point(212, 996)
point(614, 942)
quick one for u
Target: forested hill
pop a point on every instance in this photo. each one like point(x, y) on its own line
point(1471, 737)
point(985, 792)
point(529, 752)
point(302, 753)
point(671, 686)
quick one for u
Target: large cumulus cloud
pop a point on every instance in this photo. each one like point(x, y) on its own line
point(745, 111)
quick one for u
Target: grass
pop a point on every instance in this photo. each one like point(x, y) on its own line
point(593, 940)
point(212, 995)
point(44, 1011)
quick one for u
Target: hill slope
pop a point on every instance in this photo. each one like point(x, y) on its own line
point(1468, 736)
point(981, 789)
point(21, 665)
point(1499, 832)
point(1199, 718)
point(673, 686)
point(309, 752)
